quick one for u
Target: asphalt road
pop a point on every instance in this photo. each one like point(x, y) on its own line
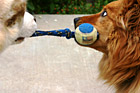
point(51, 64)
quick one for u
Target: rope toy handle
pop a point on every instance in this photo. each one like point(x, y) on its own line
point(62, 33)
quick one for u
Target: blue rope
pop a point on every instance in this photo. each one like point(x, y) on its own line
point(62, 33)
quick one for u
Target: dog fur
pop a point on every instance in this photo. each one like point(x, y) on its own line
point(120, 42)
point(13, 22)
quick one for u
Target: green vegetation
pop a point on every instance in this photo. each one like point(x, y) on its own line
point(66, 6)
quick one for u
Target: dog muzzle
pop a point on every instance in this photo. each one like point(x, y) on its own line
point(85, 34)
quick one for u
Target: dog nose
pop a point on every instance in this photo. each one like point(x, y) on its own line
point(76, 20)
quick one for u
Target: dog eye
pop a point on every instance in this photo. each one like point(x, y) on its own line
point(104, 13)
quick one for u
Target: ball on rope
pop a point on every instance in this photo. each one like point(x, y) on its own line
point(86, 34)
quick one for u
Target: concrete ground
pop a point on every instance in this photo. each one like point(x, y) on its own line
point(51, 64)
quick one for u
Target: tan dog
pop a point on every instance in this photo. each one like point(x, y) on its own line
point(15, 23)
point(119, 27)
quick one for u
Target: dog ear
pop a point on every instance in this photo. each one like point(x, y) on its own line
point(131, 13)
point(16, 13)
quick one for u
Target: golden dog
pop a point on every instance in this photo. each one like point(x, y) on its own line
point(119, 27)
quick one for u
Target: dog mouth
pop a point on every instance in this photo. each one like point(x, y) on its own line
point(20, 39)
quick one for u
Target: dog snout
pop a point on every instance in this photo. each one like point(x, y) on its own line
point(75, 21)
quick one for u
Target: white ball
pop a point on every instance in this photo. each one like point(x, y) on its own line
point(86, 34)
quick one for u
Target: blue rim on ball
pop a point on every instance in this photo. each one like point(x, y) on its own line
point(86, 28)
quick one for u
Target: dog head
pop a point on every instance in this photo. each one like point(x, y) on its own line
point(29, 26)
point(104, 22)
point(15, 23)
point(115, 20)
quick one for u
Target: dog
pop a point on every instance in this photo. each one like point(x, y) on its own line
point(15, 23)
point(118, 24)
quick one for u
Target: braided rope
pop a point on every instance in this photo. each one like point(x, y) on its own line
point(62, 33)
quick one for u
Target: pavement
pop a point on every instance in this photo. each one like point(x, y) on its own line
point(51, 64)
